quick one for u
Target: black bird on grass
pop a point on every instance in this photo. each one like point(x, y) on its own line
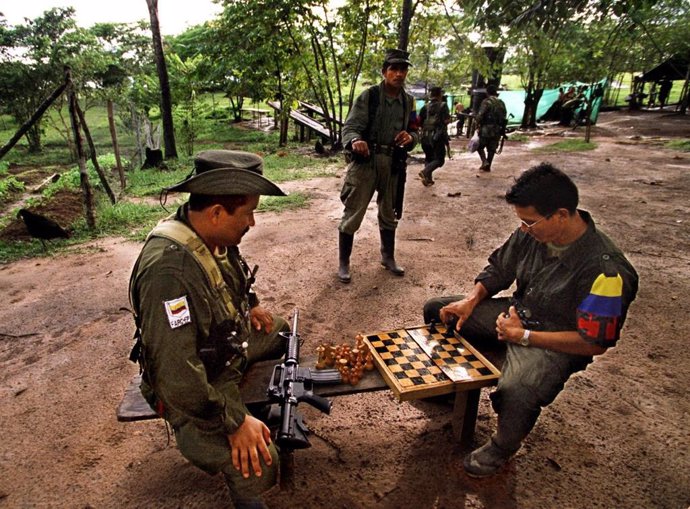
point(41, 227)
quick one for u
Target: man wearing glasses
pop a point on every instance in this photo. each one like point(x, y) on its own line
point(573, 289)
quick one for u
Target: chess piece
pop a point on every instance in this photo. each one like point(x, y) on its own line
point(359, 341)
point(354, 356)
point(369, 363)
point(329, 355)
point(345, 375)
point(321, 359)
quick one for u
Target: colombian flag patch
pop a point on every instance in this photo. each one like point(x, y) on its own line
point(178, 312)
point(598, 315)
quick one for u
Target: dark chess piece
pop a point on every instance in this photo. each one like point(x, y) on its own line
point(41, 227)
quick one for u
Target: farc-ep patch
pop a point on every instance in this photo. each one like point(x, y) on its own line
point(178, 312)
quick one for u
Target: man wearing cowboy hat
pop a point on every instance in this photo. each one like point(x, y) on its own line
point(200, 324)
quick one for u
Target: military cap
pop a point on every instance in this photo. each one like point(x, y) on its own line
point(227, 172)
point(396, 56)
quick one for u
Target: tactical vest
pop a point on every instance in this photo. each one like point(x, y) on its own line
point(218, 350)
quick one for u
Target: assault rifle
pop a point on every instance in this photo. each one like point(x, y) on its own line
point(291, 385)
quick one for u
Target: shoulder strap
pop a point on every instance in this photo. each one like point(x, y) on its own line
point(181, 234)
point(373, 98)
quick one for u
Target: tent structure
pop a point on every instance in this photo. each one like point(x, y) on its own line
point(674, 68)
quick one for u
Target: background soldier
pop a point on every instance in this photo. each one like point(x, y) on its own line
point(378, 133)
point(491, 123)
point(434, 118)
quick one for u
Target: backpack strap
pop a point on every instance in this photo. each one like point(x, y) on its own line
point(183, 235)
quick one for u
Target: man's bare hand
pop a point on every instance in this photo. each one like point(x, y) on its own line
point(509, 327)
point(403, 138)
point(250, 440)
point(360, 147)
point(461, 309)
point(261, 319)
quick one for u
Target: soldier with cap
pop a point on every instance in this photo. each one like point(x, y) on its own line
point(491, 120)
point(200, 324)
point(379, 131)
point(434, 118)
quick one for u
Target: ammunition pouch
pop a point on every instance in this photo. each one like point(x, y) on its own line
point(221, 347)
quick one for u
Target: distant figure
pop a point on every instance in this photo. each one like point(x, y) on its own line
point(664, 89)
point(460, 117)
point(41, 227)
point(491, 122)
point(435, 118)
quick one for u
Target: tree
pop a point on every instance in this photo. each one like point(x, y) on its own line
point(166, 100)
point(32, 57)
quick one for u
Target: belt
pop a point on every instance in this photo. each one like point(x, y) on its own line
point(386, 150)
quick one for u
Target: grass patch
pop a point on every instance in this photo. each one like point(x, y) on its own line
point(522, 138)
point(279, 203)
point(682, 145)
point(567, 146)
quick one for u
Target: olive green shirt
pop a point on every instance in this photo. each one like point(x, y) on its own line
point(388, 121)
point(178, 312)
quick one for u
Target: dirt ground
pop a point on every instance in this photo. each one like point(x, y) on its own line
point(618, 435)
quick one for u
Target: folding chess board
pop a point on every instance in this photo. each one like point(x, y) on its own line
point(428, 361)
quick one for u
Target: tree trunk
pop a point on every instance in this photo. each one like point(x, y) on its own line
point(116, 147)
point(94, 157)
point(405, 21)
point(166, 99)
point(81, 158)
point(34, 118)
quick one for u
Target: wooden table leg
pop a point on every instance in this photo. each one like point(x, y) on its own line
point(465, 416)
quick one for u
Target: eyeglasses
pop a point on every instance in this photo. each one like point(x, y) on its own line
point(531, 225)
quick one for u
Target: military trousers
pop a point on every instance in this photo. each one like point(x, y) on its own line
point(531, 378)
point(361, 181)
point(209, 449)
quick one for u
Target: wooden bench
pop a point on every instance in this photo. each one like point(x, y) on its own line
point(257, 114)
point(134, 407)
point(312, 109)
point(306, 124)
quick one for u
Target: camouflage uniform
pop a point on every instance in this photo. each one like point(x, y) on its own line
point(181, 313)
point(492, 114)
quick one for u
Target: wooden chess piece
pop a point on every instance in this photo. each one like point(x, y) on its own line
point(345, 375)
point(321, 359)
point(359, 341)
point(329, 356)
point(369, 363)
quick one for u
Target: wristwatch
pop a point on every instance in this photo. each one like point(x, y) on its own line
point(524, 340)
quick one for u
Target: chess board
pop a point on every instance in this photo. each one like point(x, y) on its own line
point(425, 361)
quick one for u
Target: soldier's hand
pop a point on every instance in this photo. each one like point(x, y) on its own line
point(250, 441)
point(261, 318)
point(461, 309)
point(403, 138)
point(360, 147)
point(509, 327)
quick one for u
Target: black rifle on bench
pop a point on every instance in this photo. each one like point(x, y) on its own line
point(290, 385)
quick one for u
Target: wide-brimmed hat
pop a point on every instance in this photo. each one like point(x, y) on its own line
point(397, 56)
point(227, 172)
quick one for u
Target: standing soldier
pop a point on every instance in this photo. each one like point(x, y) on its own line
point(491, 121)
point(378, 134)
point(434, 118)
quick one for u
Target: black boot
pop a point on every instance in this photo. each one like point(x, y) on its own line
point(344, 251)
point(388, 252)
